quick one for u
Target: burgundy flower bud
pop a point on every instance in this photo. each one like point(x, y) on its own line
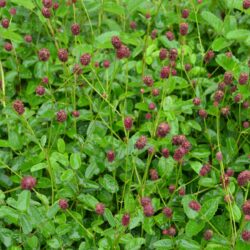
point(85, 59)
point(209, 56)
point(219, 156)
point(208, 234)
point(230, 172)
point(205, 170)
point(148, 116)
point(246, 233)
point(228, 78)
point(75, 29)
point(2, 3)
point(172, 231)
point(148, 15)
point(99, 208)
point(237, 98)
point(178, 139)
point(218, 96)
point(151, 151)
point(185, 13)
point(243, 178)
point(163, 54)
point(246, 4)
point(77, 69)
point(63, 204)
point(46, 12)
point(125, 220)
point(245, 124)
point(247, 217)
point(163, 129)
point(243, 78)
point(148, 80)
point(171, 188)
point(153, 174)
point(40, 90)
point(28, 182)
point(106, 64)
point(173, 54)
point(45, 80)
point(61, 116)
point(170, 36)
point(221, 86)
point(194, 205)
point(245, 104)
point(18, 106)
point(133, 25)
point(165, 231)
point(229, 54)
point(47, 3)
point(246, 207)
point(43, 54)
point(233, 88)
point(128, 123)
point(5, 23)
point(179, 154)
point(110, 155)
point(165, 152)
point(13, 11)
point(63, 55)
point(55, 6)
point(123, 52)
point(141, 142)
point(174, 72)
point(8, 46)
point(202, 113)
point(165, 72)
point(188, 67)
point(145, 201)
point(155, 92)
point(154, 34)
point(196, 101)
point(96, 64)
point(168, 212)
point(224, 179)
point(183, 29)
point(116, 42)
point(75, 113)
point(148, 210)
point(182, 191)
point(151, 106)
point(28, 38)
point(225, 111)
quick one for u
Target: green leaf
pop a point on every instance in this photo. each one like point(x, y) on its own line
point(38, 166)
point(212, 20)
point(87, 199)
point(6, 237)
point(9, 214)
point(109, 183)
point(109, 217)
point(195, 125)
point(32, 242)
point(26, 4)
point(61, 145)
point(206, 182)
point(191, 214)
point(23, 201)
point(25, 224)
point(188, 244)
point(166, 166)
point(67, 175)
point(209, 208)
point(220, 43)
point(236, 211)
point(52, 211)
point(196, 166)
point(113, 8)
point(229, 64)
point(239, 34)
point(163, 244)
point(13, 36)
point(75, 160)
point(193, 227)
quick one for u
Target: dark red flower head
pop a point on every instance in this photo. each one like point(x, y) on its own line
point(47, 3)
point(195, 205)
point(243, 178)
point(246, 4)
point(148, 80)
point(208, 234)
point(183, 29)
point(110, 155)
point(170, 35)
point(75, 29)
point(141, 142)
point(125, 220)
point(5, 23)
point(99, 208)
point(246, 235)
point(44, 54)
point(63, 55)
point(163, 129)
point(123, 52)
point(85, 59)
point(63, 204)
point(46, 12)
point(116, 42)
point(128, 123)
point(28, 182)
point(61, 116)
point(40, 90)
point(185, 13)
point(2, 3)
point(19, 107)
point(153, 174)
point(168, 212)
point(246, 207)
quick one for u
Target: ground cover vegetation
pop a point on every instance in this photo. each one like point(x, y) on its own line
point(124, 124)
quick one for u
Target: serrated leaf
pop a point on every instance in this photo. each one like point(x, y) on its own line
point(23, 201)
point(26, 4)
point(38, 166)
point(193, 227)
point(239, 34)
point(220, 43)
point(109, 183)
point(209, 209)
point(75, 160)
point(212, 20)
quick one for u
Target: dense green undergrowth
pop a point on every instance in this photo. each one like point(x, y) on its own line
point(124, 124)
